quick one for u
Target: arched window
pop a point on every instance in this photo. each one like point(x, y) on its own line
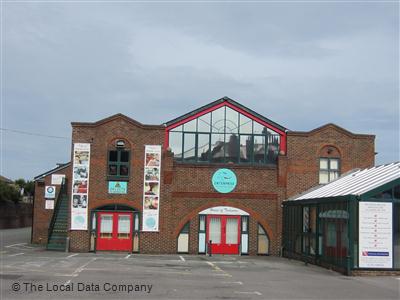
point(329, 164)
point(224, 136)
point(263, 241)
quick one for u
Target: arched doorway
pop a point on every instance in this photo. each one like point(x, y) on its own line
point(223, 230)
point(115, 227)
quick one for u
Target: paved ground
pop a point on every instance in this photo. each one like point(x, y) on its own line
point(40, 274)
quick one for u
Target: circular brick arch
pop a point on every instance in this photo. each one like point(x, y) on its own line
point(251, 212)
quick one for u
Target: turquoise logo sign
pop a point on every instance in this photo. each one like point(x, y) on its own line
point(117, 187)
point(224, 181)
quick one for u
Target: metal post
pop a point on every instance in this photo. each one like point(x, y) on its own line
point(67, 245)
point(209, 248)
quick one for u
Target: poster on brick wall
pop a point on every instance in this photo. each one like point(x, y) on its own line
point(151, 187)
point(80, 186)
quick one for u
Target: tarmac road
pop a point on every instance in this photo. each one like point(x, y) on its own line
point(31, 272)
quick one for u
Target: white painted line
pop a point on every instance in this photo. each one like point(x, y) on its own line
point(15, 245)
point(15, 254)
point(127, 256)
point(249, 293)
point(233, 282)
point(181, 257)
point(68, 282)
point(222, 274)
point(81, 268)
point(72, 255)
point(2, 252)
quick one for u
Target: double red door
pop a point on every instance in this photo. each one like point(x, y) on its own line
point(224, 233)
point(114, 231)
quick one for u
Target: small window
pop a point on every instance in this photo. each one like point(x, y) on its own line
point(328, 170)
point(118, 163)
point(263, 241)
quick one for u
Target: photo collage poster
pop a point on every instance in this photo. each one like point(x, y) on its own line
point(80, 186)
point(151, 191)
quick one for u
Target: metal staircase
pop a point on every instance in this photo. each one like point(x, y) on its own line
point(59, 222)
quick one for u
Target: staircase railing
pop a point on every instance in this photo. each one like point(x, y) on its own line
point(63, 190)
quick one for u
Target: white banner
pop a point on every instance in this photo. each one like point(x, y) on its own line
point(80, 186)
point(375, 235)
point(57, 178)
point(151, 187)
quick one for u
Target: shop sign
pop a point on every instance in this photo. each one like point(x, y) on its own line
point(49, 204)
point(50, 192)
point(57, 178)
point(224, 181)
point(117, 187)
point(375, 235)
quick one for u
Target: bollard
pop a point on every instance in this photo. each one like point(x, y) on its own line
point(67, 244)
point(209, 248)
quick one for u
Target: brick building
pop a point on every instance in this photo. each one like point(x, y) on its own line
point(218, 173)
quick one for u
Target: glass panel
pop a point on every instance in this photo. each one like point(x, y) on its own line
point(186, 228)
point(136, 222)
point(246, 125)
point(306, 219)
point(113, 156)
point(244, 224)
point(259, 129)
point(204, 123)
point(245, 148)
point(106, 225)
point(259, 149)
point(124, 224)
point(175, 143)
point(202, 226)
point(112, 169)
point(333, 176)
point(313, 219)
point(263, 244)
point(323, 163)
point(331, 235)
point(232, 148)
point(218, 120)
point(396, 233)
point(232, 120)
point(334, 164)
point(323, 177)
point(215, 230)
point(189, 146)
point(124, 156)
point(232, 231)
point(179, 128)
point(124, 170)
point(203, 147)
point(217, 147)
point(190, 126)
point(183, 243)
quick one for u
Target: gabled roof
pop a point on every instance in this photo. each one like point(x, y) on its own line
point(330, 126)
point(115, 117)
point(233, 104)
point(56, 169)
point(5, 179)
point(356, 183)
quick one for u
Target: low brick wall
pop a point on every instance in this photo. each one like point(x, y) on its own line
point(15, 215)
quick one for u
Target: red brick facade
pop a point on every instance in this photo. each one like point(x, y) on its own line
point(186, 189)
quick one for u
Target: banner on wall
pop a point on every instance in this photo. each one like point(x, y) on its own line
point(80, 186)
point(151, 190)
point(375, 235)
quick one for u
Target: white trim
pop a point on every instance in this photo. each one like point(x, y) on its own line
point(224, 210)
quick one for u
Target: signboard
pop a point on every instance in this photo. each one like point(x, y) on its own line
point(49, 204)
point(224, 210)
point(80, 186)
point(375, 235)
point(151, 187)
point(224, 181)
point(57, 178)
point(50, 192)
point(117, 187)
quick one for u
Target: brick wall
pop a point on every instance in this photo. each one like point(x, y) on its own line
point(42, 216)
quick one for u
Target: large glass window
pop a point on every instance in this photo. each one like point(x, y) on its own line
point(222, 136)
point(118, 163)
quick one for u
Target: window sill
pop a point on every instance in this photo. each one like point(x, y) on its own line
point(117, 178)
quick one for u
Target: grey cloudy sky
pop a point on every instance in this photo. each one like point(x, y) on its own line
point(300, 64)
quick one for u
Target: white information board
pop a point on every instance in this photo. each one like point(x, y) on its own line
point(375, 235)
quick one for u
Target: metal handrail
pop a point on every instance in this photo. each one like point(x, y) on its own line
point(63, 190)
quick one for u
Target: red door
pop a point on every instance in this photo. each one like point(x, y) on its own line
point(114, 231)
point(224, 232)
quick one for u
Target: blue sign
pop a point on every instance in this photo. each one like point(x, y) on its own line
point(224, 181)
point(117, 187)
